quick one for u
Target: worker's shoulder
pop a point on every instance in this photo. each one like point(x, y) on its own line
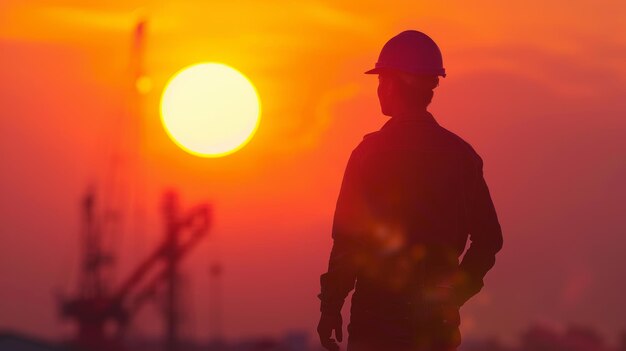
point(368, 141)
point(370, 135)
point(363, 147)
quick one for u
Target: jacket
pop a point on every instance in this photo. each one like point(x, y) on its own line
point(412, 195)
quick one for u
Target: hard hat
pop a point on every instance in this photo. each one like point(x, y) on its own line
point(412, 52)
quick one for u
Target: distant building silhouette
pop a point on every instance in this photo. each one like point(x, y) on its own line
point(489, 344)
point(544, 338)
point(10, 341)
point(540, 338)
point(575, 338)
point(579, 338)
point(535, 338)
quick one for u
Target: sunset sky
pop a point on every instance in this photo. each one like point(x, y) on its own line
point(538, 88)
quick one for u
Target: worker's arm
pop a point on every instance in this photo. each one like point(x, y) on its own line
point(347, 224)
point(341, 275)
point(485, 236)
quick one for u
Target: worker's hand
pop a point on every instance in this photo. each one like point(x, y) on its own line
point(328, 322)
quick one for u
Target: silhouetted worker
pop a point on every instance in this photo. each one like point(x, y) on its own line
point(412, 194)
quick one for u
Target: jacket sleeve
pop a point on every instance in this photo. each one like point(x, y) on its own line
point(485, 235)
point(337, 283)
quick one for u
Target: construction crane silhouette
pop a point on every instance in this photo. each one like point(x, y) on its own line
point(95, 309)
point(102, 314)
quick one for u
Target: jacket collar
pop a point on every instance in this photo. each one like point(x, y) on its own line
point(423, 118)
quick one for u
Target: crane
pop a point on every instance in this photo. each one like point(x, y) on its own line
point(94, 309)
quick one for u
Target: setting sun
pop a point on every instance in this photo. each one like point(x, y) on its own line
point(210, 109)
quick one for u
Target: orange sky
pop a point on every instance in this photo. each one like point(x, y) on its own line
point(537, 88)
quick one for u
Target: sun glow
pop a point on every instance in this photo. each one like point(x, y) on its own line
point(210, 109)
